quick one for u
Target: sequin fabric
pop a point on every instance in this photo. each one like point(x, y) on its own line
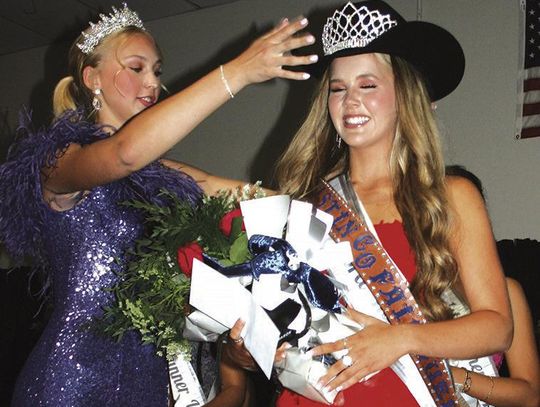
point(72, 365)
point(82, 249)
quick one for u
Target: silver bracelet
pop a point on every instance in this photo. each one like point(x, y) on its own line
point(225, 82)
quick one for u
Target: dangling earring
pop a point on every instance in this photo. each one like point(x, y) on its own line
point(338, 140)
point(96, 103)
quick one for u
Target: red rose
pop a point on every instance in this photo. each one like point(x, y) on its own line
point(225, 224)
point(185, 257)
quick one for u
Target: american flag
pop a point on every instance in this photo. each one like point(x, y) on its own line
point(530, 119)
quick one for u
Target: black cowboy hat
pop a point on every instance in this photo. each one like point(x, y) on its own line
point(432, 50)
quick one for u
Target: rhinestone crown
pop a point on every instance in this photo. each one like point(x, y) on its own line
point(354, 27)
point(115, 21)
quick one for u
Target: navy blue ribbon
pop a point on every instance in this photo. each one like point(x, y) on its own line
point(276, 256)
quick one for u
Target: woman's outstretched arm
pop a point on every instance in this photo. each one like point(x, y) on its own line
point(153, 132)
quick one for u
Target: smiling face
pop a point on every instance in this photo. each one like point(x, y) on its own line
point(128, 77)
point(362, 101)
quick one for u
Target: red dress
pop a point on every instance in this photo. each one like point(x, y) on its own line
point(384, 389)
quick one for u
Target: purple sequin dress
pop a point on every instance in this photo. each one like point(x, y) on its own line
point(72, 365)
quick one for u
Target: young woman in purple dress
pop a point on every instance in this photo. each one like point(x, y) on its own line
point(61, 188)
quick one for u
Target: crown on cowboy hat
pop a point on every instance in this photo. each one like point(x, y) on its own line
point(374, 26)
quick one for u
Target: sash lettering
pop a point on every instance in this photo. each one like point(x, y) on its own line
point(185, 387)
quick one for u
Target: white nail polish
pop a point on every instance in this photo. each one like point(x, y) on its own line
point(306, 76)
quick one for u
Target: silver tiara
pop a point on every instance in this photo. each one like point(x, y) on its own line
point(353, 27)
point(115, 21)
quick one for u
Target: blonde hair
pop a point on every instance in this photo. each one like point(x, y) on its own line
point(312, 153)
point(417, 171)
point(70, 92)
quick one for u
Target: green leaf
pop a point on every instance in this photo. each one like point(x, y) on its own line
point(236, 228)
point(151, 292)
point(239, 252)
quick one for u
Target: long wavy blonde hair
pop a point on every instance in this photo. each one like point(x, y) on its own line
point(417, 171)
point(70, 92)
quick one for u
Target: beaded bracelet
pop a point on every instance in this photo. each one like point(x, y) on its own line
point(468, 382)
point(492, 384)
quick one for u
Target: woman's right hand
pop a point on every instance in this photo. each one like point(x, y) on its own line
point(237, 353)
point(267, 55)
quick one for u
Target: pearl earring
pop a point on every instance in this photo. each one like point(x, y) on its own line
point(96, 103)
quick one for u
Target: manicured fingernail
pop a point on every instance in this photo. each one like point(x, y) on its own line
point(339, 388)
point(304, 21)
point(310, 39)
point(306, 76)
point(284, 20)
point(313, 58)
point(287, 345)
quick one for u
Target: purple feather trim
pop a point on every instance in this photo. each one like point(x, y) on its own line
point(23, 213)
point(22, 210)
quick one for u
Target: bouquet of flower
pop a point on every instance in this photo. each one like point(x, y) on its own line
point(298, 275)
point(152, 292)
point(291, 297)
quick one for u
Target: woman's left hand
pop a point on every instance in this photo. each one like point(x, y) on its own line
point(235, 350)
point(370, 350)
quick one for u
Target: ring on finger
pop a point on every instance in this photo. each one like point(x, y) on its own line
point(347, 360)
point(345, 343)
point(237, 340)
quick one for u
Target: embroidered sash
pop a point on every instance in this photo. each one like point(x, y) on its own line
point(387, 284)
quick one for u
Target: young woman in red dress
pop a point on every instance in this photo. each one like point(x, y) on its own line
point(371, 130)
point(372, 126)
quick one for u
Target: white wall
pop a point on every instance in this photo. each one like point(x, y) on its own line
point(243, 139)
point(479, 118)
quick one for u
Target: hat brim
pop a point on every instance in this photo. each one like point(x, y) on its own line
point(432, 50)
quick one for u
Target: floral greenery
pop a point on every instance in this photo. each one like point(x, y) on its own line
point(152, 292)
